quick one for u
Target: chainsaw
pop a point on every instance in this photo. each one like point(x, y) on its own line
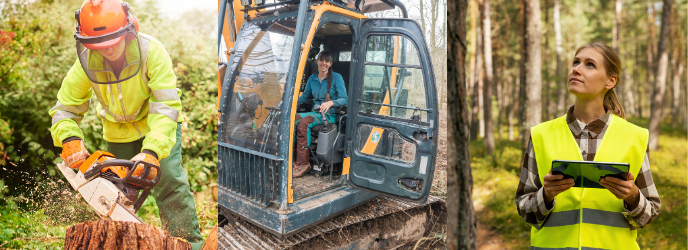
point(111, 186)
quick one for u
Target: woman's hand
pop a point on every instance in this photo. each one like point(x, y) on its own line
point(555, 184)
point(624, 190)
point(325, 106)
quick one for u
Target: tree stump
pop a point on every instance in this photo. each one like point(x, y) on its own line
point(108, 234)
point(211, 241)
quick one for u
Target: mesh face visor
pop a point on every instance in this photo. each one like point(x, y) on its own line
point(96, 65)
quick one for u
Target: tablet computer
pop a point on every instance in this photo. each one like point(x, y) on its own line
point(587, 174)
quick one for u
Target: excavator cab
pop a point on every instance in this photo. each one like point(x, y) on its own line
point(382, 143)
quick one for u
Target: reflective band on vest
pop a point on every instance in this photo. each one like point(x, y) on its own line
point(69, 112)
point(591, 216)
point(61, 115)
point(144, 44)
point(587, 218)
point(161, 95)
point(163, 109)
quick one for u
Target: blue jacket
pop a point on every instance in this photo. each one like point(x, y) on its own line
point(316, 90)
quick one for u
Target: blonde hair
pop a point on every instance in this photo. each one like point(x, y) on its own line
point(612, 64)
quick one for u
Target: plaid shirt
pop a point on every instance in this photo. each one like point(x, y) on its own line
point(530, 194)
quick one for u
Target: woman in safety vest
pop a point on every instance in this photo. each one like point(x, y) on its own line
point(131, 75)
point(327, 90)
point(594, 129)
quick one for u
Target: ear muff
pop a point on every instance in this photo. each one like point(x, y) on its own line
point(136, 24)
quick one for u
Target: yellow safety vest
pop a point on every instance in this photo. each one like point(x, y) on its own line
point(587, 218)
point(147, 105)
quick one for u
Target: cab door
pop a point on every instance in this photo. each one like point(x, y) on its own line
point(393, 111)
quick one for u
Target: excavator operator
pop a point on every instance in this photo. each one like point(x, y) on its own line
point(131, 75)
point(327, 90)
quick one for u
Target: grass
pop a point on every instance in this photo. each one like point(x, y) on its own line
point(44, 226)
point(496, 178)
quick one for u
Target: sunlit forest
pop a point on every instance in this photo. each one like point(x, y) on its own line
point(37, 47)
point(516, 65)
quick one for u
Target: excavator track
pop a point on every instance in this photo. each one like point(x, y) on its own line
point(239, 234)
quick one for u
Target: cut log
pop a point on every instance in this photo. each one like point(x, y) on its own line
point(211, 241)
point(108, 234)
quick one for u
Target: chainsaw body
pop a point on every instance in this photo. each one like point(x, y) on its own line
point(111, 186)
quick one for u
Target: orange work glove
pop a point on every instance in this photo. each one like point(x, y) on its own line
point(73, 152)
point(147, 156)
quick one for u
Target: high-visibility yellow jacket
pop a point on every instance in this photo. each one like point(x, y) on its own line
point(147, 105)
point(584, 218)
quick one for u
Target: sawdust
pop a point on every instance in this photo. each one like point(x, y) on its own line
point(61, 204)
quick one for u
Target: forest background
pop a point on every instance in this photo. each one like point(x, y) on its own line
point(518, 56)
point(37, 48)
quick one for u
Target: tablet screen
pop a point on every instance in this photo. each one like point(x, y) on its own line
point(587, 174)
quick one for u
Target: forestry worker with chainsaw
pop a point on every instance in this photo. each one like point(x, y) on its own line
point(131, 75)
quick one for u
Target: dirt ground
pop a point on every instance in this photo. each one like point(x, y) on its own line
point(310, 183)
point(489, 240)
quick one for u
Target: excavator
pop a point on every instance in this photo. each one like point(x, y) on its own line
point(374, 163)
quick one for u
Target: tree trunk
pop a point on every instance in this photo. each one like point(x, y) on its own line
point(678, 72)
point(650, 52)
point(616, 35)
point(562, 84)
point(475, 97)
point(481, 100)
point(615, 27)
point(660, 82)
point(522, 69)
point(461, 222)
point(211, 242)
point(630, 103)
point(533, 107)
point(547, 84)
point(678, 44)
point(473, 52)
point(501, 99)
point(636, 87)
point(489, 80)
point(111, 235)
point(512, 108)
point(422, 16)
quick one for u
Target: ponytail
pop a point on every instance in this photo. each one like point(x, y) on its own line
point(327, 56)
point(329, 84)
point(611, 103)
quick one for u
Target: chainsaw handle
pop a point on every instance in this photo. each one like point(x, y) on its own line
point(107, 163)
point(143, 178)
point(141, 181)
point(115, 162)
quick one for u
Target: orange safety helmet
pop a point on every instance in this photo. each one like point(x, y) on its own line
point(104, 23)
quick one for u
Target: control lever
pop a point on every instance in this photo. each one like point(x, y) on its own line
point(327, 126)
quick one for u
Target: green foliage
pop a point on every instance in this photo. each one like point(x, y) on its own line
point(19, 229)
point(36, 51)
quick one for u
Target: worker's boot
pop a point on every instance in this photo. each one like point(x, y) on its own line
point(300, 170)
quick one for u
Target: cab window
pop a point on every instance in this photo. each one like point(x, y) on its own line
point(393, 82)
point(386, 143)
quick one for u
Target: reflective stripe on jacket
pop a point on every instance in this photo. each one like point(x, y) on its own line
point(147, 105)
point(585, 218)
